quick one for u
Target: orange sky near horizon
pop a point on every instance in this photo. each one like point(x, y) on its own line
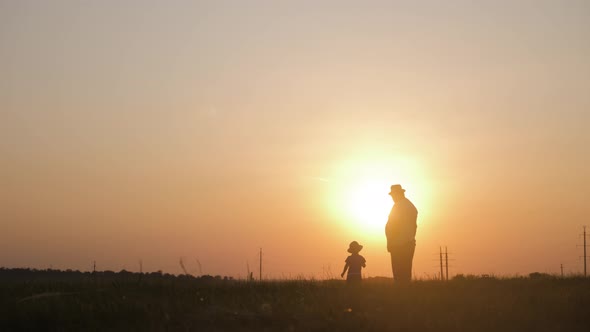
point(206, 130)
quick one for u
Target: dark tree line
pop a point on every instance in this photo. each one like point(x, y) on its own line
point(28, 274)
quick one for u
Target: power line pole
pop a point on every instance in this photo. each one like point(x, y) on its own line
point(441, 263)
point(447, 263)
point(584, 247)
point(584, 251)
point(561, 265)
point(260, 264)
point(94, 271)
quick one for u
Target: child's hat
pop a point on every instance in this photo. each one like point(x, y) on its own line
point(354, 247)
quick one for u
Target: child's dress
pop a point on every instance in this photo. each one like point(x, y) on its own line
point(355, 264)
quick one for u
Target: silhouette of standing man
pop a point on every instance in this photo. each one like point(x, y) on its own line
point(401, 232)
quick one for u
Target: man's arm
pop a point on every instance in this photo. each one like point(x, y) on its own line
point(389, 226)
point(388, 234)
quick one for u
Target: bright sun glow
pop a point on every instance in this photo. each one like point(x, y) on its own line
point(369, 204)
point(360, 197)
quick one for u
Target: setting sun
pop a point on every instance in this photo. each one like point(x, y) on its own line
point(369, 205)
point(360, 187)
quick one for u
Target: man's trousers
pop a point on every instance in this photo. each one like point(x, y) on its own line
point(401, 262)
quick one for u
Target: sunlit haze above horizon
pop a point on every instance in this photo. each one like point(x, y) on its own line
point(206, 130)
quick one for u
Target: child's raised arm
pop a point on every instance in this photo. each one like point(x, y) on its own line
point(344, 271)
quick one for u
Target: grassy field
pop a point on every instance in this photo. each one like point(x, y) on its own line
point(188, 304)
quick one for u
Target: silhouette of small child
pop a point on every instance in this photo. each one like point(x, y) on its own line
point(354, 263)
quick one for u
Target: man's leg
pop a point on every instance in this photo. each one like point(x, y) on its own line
point(393, 264)
point(407, 261)
point(401, 262)
point(398, 262)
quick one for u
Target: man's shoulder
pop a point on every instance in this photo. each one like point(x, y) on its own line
point(407, 203)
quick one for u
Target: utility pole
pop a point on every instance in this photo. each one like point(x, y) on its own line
point(94, 275)
point(260, 264)
point(584, 246)
point(447, 263)
point(441, 263)
point(561, 270)
point(584, 251)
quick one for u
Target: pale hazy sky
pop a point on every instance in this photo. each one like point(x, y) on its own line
point(205, 130)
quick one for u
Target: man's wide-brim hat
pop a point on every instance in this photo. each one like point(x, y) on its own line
point(397, 188)
point(354, 247)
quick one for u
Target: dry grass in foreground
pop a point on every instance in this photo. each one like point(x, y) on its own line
point(185, 304)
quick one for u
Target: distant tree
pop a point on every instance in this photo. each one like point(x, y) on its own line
point(539, 275)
